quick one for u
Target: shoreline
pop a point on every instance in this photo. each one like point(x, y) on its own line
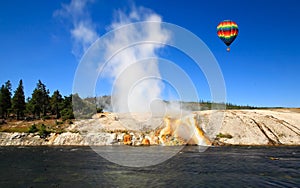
point(239, 128)
point(123, 145)
point(33, 140)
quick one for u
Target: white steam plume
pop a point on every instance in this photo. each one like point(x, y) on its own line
point(83, 30)
point(136, 85)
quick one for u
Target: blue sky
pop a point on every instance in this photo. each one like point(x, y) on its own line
point(262, 68)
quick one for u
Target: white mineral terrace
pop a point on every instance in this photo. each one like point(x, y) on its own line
point(230, 127)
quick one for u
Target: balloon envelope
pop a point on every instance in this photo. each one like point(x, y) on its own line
point(227, 31)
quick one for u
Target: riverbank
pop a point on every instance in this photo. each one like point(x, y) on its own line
point(238, 127)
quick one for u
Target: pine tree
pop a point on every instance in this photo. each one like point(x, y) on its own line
point(29, 107)
point(67, 108)
point(5, 99)
point(1, 105)
point(18, 101)
point(40, 100)
point(56, 103)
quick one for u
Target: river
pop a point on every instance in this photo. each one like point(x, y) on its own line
point(216, 167)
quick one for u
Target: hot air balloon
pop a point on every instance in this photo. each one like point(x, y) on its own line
point(227, 31)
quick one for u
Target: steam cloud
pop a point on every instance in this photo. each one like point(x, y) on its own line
point(83, 30)
point(136, 87)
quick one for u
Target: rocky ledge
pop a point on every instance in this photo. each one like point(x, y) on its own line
point(230, 127)
point(260, 127)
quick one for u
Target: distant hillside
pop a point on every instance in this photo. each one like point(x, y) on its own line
point(104, 102)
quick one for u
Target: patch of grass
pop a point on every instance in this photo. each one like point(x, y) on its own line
point(14, 129)
point(42, 127)
point(226, 135)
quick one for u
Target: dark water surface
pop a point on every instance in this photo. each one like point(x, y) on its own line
point(216, 167)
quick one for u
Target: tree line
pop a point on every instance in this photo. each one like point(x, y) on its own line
point(43, 105)
point(39, 105)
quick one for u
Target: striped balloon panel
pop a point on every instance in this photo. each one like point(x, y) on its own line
point(227, 31)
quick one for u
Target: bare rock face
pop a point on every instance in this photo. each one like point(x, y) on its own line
point(68, 138)
point(260, 127)
point(127, 139)
point(234, 127)
point(133, 129)
point(145, 142)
